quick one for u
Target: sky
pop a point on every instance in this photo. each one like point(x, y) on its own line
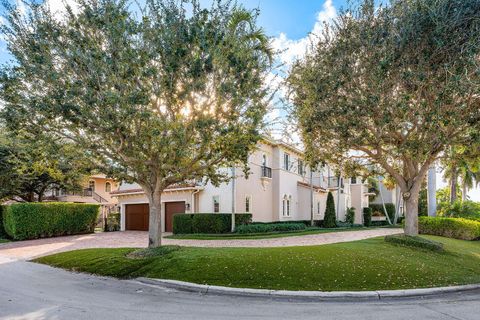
point(289, 23)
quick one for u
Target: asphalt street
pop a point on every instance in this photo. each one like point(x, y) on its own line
point(33, 291)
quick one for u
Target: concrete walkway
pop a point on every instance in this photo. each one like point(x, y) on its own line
point(37, 248)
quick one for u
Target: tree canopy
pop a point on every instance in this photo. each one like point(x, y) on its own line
point(165, 95)
point(396, 85)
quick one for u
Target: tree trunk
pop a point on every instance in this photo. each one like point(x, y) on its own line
point(155, 220)
point(411, 215)
point(453, 185)
point(464, 192)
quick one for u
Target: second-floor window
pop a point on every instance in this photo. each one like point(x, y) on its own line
point(286, 161)
point(108, 187)
point(216, 204)
point(353, 180)
point(91, 185)
point(264, 160)
point(301, 168)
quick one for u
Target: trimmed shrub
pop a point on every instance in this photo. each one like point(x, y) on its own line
point(42, 220)
point(416, 242)
point(316, 223)
point(330, 218)
point(3, 234)
point(350, 215)
point(377, 209)
point(210, 223)
point(270, 227)
point(460, 209)
point(113, 222)
point(367, 217)
point(457, 228)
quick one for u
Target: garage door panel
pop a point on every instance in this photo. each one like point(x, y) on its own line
point(136, 217)
point(171, 209)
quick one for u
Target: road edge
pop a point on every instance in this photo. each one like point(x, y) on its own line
point(310, 295)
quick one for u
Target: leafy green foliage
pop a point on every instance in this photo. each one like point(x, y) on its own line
point(113, 222)
point(208, 222)
point(3, 233)
point(457, 228)
point(377, 210)
point(367, 217)
point(42, 220)
point(32, 164)
point(397, 84)
point(364, 265)
point(269, 227)
point(330, 218)
point(417, 242)
point(350, 215)
point(460, 209)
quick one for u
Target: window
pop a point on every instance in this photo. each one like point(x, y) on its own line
point(286, 161)
point(91, 185)
point(108, 187)
point(301, 168)
point(353, 180)
point(216, 204)
point(248, 204)
point(286, 205)
point(264, 160)
point(318, 207)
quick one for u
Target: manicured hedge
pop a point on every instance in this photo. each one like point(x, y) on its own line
point(367, 217)
point(211, 223)
point(269, 227)
point(42, 220)
point(3, 234)
point(456, 228)
point(417, 242)
point(316, 223)
point(379, 208)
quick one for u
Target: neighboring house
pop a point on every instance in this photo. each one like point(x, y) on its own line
point(278, 188)
point(97, 189)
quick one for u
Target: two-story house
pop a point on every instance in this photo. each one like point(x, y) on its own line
point(280, 187)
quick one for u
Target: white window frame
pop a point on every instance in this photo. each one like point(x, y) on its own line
point(286, 206)
point(301, 167)
point(216, 197)
point(248, 198)
point(286, 161)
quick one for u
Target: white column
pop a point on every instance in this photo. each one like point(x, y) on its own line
point(431, 191)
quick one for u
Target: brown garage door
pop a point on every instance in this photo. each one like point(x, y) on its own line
point(172, 208)
point(136, 217)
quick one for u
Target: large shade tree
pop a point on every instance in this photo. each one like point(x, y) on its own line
point(396, 85)
point(160, 94)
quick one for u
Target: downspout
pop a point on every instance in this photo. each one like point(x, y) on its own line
point(338, 196)
point(193, 200)
point(311, 196)
point(233, 200)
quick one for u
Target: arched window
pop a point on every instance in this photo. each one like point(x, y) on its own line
point(264, 160)
point(91, 185)
point(108, 187)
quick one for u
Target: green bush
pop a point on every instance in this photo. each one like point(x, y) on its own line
point(270, 227)
point(379, 209)
point(417, 242)
point(457, 228)
point(316, 223)
point(460, 209)
point(42, 220)
point(113, 222)
point(330, 218)
point(350, 216)
point(367, 217)
point(209, 223)
point(3, 234)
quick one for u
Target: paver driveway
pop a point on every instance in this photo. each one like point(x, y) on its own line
point(36, 248)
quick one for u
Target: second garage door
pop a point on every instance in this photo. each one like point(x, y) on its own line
point(171, 209)
point(136, 217)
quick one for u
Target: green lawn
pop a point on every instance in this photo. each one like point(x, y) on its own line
point(4, 240)
point(264, 235)
point(361, 265)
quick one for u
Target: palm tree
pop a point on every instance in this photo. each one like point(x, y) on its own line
point(469, 173)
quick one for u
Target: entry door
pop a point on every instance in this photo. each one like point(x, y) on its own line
point(172, 208)
point(136, 217)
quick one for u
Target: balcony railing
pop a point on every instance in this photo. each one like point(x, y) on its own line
point(266, 172)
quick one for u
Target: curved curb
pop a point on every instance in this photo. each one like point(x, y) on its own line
point(311, 295)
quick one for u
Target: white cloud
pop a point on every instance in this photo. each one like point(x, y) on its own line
point(58, 7)
point(290, 50)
